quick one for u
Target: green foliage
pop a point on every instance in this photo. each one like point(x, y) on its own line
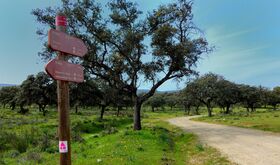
point(251, 97)
point(34, 157)
point(45, 141)
point(20, 143)
point(36, 89)
point(8, 95)
point(165, 138)
point(213, 90)
point(200, 147)
point(110, 142)
point(87, 127)
point(273, 97)
point(171, 100)
point(12, 154)
point(85, 94)
point(5, 140)
point(12, 140)
point(205, 89)
point(157, 101)
point(261, 119)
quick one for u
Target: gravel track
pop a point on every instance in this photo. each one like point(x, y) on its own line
point(242, 146)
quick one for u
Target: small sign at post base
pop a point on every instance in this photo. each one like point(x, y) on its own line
point(63, 147)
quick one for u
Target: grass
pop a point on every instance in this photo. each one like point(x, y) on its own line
point(262, 119)
point(111, 141)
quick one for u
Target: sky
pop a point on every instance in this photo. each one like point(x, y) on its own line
point(245, 34)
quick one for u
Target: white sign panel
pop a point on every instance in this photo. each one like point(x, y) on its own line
point(63, 147)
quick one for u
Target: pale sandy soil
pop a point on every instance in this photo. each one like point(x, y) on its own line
point(240, 145)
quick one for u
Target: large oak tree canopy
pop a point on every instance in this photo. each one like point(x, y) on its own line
point(127, 46)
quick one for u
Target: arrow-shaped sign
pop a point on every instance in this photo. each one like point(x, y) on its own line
point(65, 43)
point(64, 71)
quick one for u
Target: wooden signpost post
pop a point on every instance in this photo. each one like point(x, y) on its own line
point(64, 72)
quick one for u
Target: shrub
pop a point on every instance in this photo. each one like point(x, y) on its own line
point(76, 135)
point(140, 148)
point(199, 147)
point(109, 130)
point(1, 160)
point(12, 154)
point(87, 127)
point(45, 141)
point(165, 137)
point(52, 149)
point(32, 136)
point(5, 139)
point(20, 143)
point(34, 157)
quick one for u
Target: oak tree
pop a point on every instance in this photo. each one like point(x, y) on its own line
point(127, 47)
point(205, 89)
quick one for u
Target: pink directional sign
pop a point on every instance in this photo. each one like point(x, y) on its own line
point(64, 71)
point(65, 43)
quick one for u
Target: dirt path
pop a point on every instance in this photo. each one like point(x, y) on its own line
point(240, 145)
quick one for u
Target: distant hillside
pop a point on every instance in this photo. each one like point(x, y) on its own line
point(140, 91)
point(6, 85)
point(172, 91)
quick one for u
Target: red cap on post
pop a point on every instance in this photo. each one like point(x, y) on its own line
point(60, 20)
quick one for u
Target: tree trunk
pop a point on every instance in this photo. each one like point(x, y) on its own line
point(102, 111)
point(185, 108)
point(153, 109)
point(252, 109)
point(76, 109)
point(43, 108)
point(44, 113)
point(13, 106)
point(189, 111)
point(23, 110)
point(118, 110)
point(196, 110)
point(227, 109)
point(209, 111)
point(40, 107)
point(137, 115)
point(274, 107)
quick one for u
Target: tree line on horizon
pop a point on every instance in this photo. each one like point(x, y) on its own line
point(40, 90)
point(209, 90)
point(212, 90)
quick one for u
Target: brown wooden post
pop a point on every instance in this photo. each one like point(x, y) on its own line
point(63, 103)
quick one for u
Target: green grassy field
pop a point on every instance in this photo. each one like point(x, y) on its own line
point(32, 139)
point(262, 119)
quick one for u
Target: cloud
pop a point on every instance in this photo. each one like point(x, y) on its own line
point(220, 36)
point(236, 58)
point(220, 33)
